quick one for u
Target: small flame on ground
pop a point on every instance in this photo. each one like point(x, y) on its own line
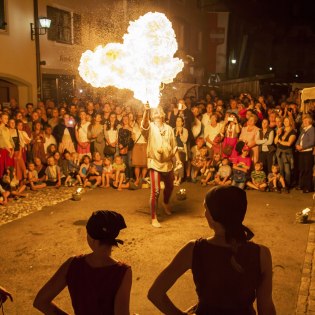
point(141, 63)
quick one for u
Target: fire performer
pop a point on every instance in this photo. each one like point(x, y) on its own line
point(161, 151)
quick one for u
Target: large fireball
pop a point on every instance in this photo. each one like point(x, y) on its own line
point(141, 63)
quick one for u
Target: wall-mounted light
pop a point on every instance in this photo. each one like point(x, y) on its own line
point(270, 68)
point(233, 61)
point(44, 25)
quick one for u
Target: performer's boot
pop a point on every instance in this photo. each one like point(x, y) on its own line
point(156, 223)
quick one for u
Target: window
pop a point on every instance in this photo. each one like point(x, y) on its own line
point(2, 16)
point(65, 26)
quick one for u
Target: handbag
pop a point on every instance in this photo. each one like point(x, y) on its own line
point(109, 150)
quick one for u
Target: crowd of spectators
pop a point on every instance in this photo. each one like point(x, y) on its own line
point(255, 143)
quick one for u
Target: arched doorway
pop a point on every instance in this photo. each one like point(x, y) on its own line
point(8, 90)
point(14, 87)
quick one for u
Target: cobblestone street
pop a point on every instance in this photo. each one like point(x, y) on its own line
point(36, 244)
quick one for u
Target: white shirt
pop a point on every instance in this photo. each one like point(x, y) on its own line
point(161, 147)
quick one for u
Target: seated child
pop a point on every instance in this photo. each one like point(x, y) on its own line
point(210, 169)
point(119, 168)
point(276, 181)
point(195, 150)
point(40, 168)
point(107, 173)
point(32, 177)
point(12, 184)
point(198, 162)
point(70, 170)
point(53, 174)
point(84, 167)
point(4, 194)
point(241, 168)
point(257, 178)
point(223, 175)
point(93, 177)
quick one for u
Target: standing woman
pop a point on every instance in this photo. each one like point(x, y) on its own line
point(305, 146)
point(285, 140)
point(96, 135)
point(97, 283)
point(250, 134)
point(6, 145)
point(81, 132)
point(64, 134)
point(211, 131)
point(139, 151)
point(231, 130)
point(266, 146)
point(38, 140)
point(125, 143)
point(111, 136)
point(19, 164)
point(240, 273)
point(181, 136)
point(24, 139)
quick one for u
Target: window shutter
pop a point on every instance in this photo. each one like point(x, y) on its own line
point(53, 30)
point(77, 28)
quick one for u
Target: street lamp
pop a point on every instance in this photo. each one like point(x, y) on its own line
point(41, 28)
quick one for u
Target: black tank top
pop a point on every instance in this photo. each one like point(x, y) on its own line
point(221, 289)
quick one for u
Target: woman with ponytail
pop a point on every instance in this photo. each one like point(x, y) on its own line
point(229, 271)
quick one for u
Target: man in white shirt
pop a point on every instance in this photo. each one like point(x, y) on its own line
point(160, 151)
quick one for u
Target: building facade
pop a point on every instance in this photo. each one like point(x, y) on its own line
point(80, 25)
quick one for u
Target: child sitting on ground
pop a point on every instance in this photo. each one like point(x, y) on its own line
point(276, 181)
point(119, 172)
point(4, 194)
point(12, 184)
point(107, 174)
point(70, 170)
point(32, 177)
point(198, 162)
point(195, 151)
point(53, 174)
point(210, 169)
point(84, 167)
point(93, 177)
point(223, 175)
point(241, 168)
point(40, 168)
point(257, 178)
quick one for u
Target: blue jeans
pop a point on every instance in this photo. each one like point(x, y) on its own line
point(286, 163)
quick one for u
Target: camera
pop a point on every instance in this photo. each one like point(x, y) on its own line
point(180, 106)
point(71, 122)
point(230, 118)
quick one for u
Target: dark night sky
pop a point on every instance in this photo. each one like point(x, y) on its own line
point(280, 33)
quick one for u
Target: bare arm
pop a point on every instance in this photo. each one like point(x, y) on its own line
point(265, 304)
point(122, 298)
point(145, 119)
point(43, 300)
point(289, 142)
point(179, 265)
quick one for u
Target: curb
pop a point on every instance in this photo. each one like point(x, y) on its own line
point(306, 295)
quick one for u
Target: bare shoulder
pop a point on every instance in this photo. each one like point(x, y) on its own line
point(265, 258)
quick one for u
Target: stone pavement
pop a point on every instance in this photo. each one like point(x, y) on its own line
point(51, 196)
point(36, 200)
point(306, 295)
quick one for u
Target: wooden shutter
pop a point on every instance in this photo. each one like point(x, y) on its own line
point(77, 28)
point(52, 14)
